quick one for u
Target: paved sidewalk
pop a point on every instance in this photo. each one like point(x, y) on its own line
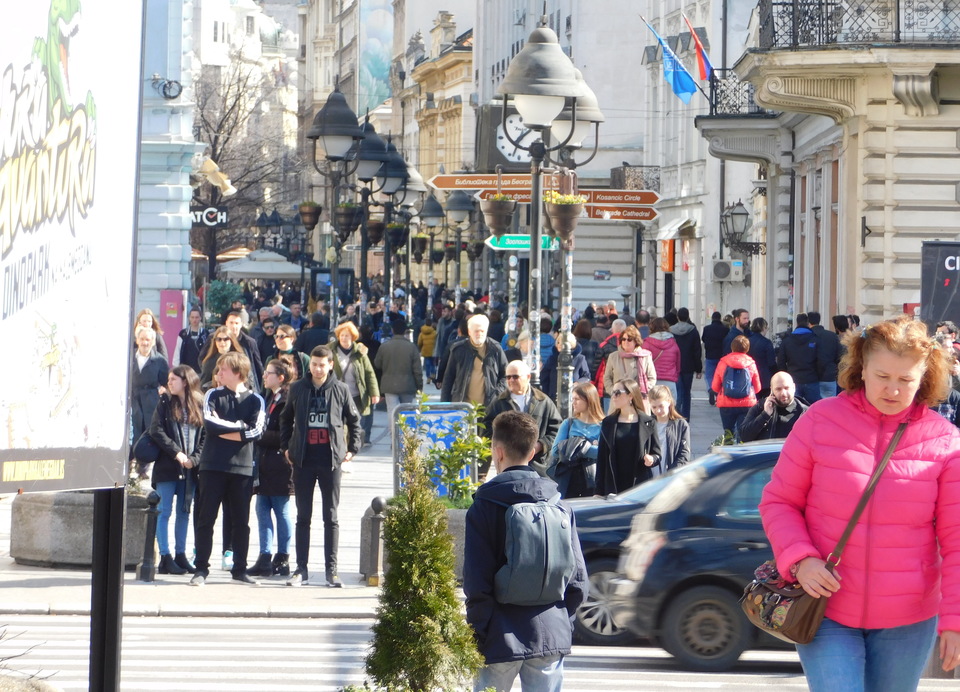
point(37, 590)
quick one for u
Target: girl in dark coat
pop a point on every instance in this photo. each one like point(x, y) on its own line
point(177, 428)
point(672, 431)
point(275, 476)
point(629, 446)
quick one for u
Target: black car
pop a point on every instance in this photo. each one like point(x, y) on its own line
point(603, 524)
point(689, 554)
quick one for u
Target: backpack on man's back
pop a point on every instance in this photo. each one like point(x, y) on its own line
point(540, 553)
point(736, 382)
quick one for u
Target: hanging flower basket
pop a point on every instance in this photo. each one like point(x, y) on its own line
point(419, 244)
point(450, 250)
point(475, 250)
point(436, 256)
point(397, 234)
point(375, 231)
point(309, 214)
point(561, 219)
point(498, 214)
point(417, 257)
point(347, 220)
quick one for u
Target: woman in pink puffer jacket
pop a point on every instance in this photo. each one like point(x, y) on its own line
point(893, 580)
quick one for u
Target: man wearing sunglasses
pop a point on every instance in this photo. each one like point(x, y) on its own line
point(520, 396)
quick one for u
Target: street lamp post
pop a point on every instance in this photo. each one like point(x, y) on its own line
point(540, 79)
point(336, 125)
point(459, 208)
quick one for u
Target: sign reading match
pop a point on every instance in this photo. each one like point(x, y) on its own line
point(69, 115)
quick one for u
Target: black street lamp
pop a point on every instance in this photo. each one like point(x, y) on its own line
point(733, 224)
point(459, 208)
point(432, 215)
point(335, 125)
point(539, 80)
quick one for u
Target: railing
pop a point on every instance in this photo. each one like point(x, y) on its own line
point(801, 23)
point(731, 96)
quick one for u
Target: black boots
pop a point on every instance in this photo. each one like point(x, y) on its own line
point(281, 564)
point(182, 561)
point(169, 566)
point(262, 568)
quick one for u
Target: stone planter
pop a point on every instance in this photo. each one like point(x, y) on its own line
point(562, 218)
point(309, 215)
point(347, 219)
point(498, 214)
point(56, 529)
point(456, 527)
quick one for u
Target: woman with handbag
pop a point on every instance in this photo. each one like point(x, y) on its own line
point(902, 569)
point(630, 362)
point(673, 431)
point(574, 464)
point(177, 429)
point(628, 441)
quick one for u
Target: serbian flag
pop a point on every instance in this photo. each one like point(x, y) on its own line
point(703, 62)
point(674, 71)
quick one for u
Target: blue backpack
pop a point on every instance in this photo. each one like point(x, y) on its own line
point(736, 383)
point(540, 553)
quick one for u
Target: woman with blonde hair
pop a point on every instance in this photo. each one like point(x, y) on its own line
point(573, 456)
point(629, 446)
point(352, 366)
point(898, 584)
point(673, 431)
point(146, 318)
point(630, 362)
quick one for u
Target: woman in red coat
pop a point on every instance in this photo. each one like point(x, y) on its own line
point(898, 580)
point(736, 382)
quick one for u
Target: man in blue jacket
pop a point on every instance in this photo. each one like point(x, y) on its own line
point(524, 639)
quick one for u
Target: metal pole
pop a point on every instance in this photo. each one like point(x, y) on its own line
point(537, 153)
point(387, 254)
point(409, 277)
point(364, 244)
point(147, 569)
point(106, 589)
point(513, 276)
point(565, 360)
point(335, 265)
point(456, 264)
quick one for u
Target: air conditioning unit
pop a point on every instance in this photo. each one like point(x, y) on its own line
point(728, 270)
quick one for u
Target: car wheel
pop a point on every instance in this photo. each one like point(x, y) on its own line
point(593, 624)
point(704, 629)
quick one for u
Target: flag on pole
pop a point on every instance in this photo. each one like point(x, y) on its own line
point(674, 72)
point(703, 62)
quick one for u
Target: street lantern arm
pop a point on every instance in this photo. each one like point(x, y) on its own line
point(518, 145)
point(570, 162)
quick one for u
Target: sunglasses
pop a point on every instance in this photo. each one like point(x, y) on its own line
point(223, 338)
point(619, 392)
point(513, 377)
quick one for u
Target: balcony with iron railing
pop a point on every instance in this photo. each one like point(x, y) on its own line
point(790, 24)
point(731, 96)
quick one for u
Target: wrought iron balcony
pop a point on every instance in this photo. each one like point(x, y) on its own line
point(809, 23)
point(731, 96)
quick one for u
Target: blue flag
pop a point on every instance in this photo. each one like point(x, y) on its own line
point(674, 72)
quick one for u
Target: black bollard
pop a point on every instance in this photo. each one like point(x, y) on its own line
point(147, 569)
point(376, 541)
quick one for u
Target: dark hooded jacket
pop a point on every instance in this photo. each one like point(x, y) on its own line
point(548, 373)
point(514, 632)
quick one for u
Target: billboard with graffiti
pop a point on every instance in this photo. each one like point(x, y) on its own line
point(69, 124)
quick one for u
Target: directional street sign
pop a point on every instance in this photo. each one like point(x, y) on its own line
point(594, 196)
point(477, 181)
point(621, 213)
point(517, 241)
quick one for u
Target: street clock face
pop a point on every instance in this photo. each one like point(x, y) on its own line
point(520, 134)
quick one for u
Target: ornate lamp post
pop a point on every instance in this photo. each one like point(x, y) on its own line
point(459, 208)
point(539, 80)
point(733, 223)
point(335, 125)
point(371, 156)
point(432, 215)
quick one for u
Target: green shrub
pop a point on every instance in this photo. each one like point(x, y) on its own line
point(219, 296)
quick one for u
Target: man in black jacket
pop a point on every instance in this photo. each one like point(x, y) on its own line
point(233, 417)
point(476, 368)
point(312, 437)
point(741, 327)
point(829, 352)
point(532, 639)
point(775, 416)
point(713, 336)
point(520, 396)
point(691, 358)
point(317, 334)
point(190, 341)
point(798, 356)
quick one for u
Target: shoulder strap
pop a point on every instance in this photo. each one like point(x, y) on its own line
point(833, 559)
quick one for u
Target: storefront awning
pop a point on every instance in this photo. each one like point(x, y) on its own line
point(673, 229)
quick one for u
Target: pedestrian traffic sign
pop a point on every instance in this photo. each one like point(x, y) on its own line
point(519, 242)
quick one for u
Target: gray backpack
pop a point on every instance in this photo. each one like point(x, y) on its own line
point(540, 553)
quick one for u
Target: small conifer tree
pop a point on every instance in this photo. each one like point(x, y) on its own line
point(421, 639)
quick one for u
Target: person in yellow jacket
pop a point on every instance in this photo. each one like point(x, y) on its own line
point(426, 342)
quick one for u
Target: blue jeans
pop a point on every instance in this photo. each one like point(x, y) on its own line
point(279, 505)
point(167, 490)
point(847, 659)
point(543, 674)
point(828, 389)
point(709, 368)
point(809, 392)
point(684, 385)
point(731, 417)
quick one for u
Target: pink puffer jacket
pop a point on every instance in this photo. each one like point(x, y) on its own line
point(891, 568)
point(666, 355)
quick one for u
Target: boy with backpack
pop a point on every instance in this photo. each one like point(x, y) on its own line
point(524, 573)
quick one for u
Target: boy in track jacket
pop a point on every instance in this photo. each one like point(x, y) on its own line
point(233, 417)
